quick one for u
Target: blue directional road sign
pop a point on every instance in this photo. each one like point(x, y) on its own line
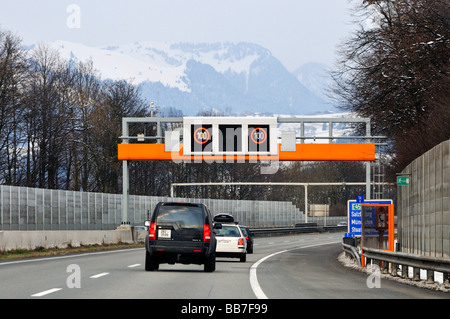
point(354, 214)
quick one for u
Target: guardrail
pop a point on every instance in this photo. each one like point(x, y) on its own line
point(417, 262)
point(298, 229)
point(390, 262)
point(350, 246)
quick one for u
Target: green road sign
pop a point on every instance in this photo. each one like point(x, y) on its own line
point(403, 180)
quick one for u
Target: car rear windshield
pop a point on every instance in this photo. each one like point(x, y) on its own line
point(228, 231)
point(244, 231)
point(180, 216)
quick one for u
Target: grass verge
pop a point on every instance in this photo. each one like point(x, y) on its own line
point(45, 252)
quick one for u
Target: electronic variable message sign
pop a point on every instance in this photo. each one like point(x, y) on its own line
point(201, 138)
point(258, 138)
point(230, 136)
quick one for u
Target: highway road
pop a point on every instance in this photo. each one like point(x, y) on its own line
point(288, 267)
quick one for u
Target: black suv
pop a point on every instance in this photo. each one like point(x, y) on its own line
point(180, 233)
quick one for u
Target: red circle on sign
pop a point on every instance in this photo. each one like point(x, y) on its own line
point(203, 140)
point(256, 130)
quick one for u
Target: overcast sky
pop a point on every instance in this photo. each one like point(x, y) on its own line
point(295, 31)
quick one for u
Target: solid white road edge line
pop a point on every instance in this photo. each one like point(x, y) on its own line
point(253, 278)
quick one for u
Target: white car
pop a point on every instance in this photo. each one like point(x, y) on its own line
point(231, 242)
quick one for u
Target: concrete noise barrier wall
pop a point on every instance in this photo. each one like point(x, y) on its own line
point(23, 208)
point(424, 204)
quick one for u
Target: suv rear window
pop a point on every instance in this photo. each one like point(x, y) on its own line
point(180, 216)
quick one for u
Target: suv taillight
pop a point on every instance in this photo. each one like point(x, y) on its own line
point(206, 233)
point(152, 231)
point(241, 242)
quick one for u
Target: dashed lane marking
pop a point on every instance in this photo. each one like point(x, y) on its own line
point(100, 275)
point(46, 292)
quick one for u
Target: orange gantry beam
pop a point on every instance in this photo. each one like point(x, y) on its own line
point(304, 152)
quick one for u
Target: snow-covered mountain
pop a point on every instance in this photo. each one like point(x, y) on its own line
point(232, 78)
point(316, 78)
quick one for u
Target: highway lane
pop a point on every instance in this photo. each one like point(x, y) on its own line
point(302, 266)
point(314, 272)
point(123, 275)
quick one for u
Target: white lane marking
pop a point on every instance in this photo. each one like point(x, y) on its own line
point(135, 265)
point(46, 292)
point(100, 275)
point(257, 290)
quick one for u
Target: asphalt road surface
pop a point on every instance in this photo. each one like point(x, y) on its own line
point(289, 267)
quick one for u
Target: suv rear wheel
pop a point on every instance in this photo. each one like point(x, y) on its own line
point(150, 262)
point(210, 263)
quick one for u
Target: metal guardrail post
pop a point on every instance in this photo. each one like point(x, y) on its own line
point(405, 270)
point(394, 272)
point(416, 273)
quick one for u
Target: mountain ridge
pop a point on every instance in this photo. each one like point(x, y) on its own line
point(234, 78)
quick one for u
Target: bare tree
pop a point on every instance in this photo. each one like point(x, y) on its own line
point(395, 70)
point(48, 102)
point(118, 99)
point(86, 96)
point(12, 73)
